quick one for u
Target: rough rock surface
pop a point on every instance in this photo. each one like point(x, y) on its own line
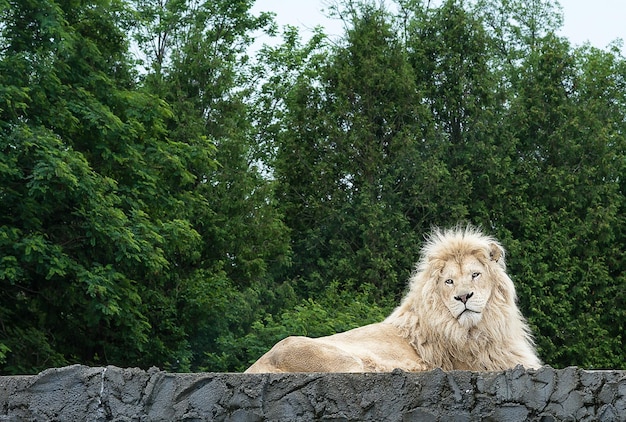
point(81, 393)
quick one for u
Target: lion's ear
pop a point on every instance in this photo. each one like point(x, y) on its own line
point(495, 252)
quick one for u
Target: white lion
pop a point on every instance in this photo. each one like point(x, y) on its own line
point(460, 313)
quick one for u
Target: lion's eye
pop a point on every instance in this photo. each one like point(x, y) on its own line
point(449, 281)
point(475, 275)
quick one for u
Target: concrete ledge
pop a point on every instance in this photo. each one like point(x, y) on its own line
point(81, 393)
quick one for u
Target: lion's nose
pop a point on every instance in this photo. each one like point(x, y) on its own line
point(464, 298)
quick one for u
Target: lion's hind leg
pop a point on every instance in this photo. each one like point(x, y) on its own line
point(303, 354)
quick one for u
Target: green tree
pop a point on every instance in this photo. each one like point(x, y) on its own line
point(93, 194)
point(349, 155)
point(450, 50)
point(196, 56)
point(568, 219)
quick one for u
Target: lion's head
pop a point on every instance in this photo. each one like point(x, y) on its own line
point(462, 301)
point(464, 290)
point(462, 272)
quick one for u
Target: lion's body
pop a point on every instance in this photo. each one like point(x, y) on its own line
point(460, 313)
point(372, 348)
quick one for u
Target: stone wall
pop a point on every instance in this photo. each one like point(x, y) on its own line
point(80, 393)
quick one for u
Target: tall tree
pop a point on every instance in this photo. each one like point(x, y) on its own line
point(450, 50)
point(571, 150)
point(337, 162)
point(197, 60)
point(94, 195)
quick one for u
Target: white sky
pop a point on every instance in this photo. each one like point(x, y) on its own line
point(597, 21)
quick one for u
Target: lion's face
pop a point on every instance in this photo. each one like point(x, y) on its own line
point(464, 288)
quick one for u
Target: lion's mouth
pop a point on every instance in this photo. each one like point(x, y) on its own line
point(467, 310)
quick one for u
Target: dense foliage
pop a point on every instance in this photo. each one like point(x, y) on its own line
point(167, 200)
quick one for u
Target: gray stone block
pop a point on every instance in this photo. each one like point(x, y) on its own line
point(80, 393)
